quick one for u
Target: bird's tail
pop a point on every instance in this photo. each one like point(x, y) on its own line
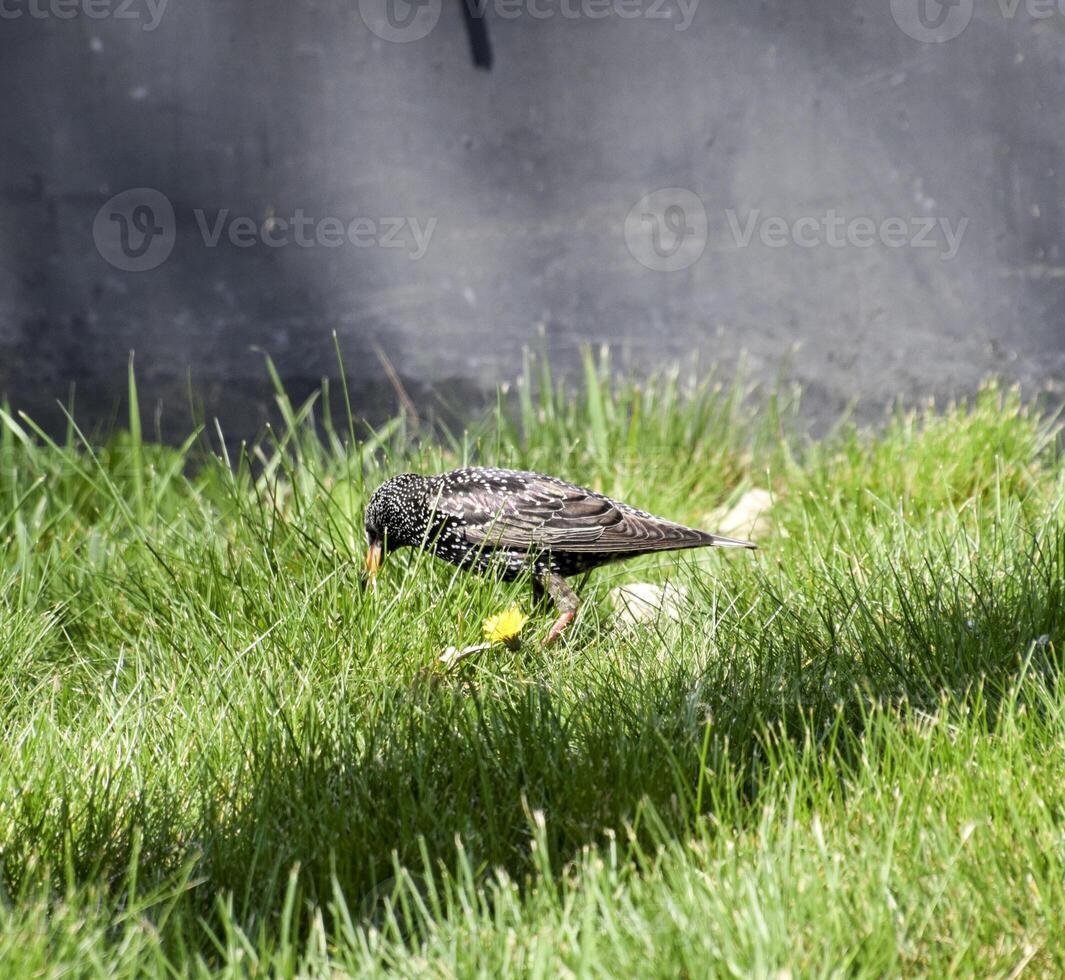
point(720, 541)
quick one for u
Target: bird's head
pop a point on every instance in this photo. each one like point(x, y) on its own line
point(396, 517)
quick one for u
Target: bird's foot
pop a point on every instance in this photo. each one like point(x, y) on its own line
point(565, 598)
point(558, 627)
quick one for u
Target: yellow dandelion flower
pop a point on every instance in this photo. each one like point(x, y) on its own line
point(505, 627)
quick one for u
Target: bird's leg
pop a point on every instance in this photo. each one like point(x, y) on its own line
point(565, 599)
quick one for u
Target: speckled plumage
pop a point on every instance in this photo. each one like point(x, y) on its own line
point(508, 522)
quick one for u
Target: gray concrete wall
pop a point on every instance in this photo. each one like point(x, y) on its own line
point(839, 115)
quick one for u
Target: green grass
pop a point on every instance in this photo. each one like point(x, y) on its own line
point(222, 756)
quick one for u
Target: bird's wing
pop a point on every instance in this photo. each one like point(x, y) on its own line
point(533, 512)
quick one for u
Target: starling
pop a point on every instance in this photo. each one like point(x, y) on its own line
point(510, 523)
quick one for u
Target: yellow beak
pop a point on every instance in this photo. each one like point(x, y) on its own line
point(374, 555)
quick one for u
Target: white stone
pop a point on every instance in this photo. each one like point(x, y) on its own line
point(749, 518)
